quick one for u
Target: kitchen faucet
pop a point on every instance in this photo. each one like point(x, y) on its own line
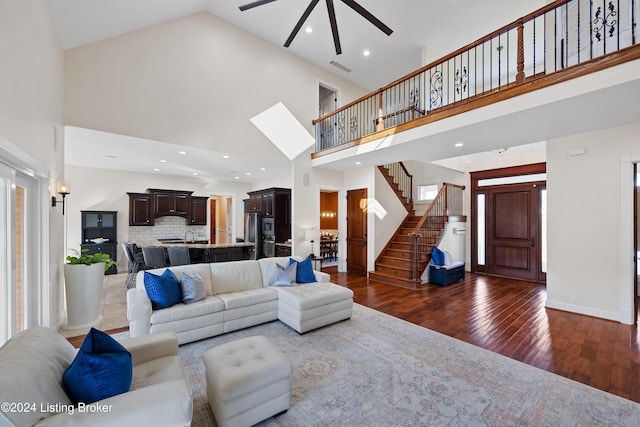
point(193, 236)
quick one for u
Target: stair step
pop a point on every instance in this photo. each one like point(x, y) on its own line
point(403, 246)
point(394, 261)
point(397, 253)
point(395, 281)
point(392, 270)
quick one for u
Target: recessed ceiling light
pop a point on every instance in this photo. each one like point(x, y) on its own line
point(195, 173)
point(248, 173)
point(163, 161)
point(236, 177)
point(308, 30)
point(263, 169)
point(458, 144)
point(366, 52)
point(225, 156)
point(156, 169)
point(182, 152)
point(358, 163)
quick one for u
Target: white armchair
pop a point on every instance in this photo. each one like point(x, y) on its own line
point(31, 368)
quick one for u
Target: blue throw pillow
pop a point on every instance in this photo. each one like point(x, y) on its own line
point(437, 256)
point(193, 288)
point(286, 276)
point(304, 273)
point(101, 369)
point(164, 290)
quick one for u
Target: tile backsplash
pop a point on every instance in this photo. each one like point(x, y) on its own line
point(166, 227)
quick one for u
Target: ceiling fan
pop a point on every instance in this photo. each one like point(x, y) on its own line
point(332, 19)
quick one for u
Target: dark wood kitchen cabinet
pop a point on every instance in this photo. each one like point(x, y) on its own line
point(198, 215)
point(155, 203)
point(274, 203)
point(140, 209)
point(171, 203)
point(255, 203)
point(267, 203)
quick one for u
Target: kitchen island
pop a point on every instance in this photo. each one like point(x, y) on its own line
point(206, 252)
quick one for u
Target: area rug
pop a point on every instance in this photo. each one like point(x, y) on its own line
point(377, 370)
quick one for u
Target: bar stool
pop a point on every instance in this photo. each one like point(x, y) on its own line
point(136, 262)
point(154, 257)
point(179, 256)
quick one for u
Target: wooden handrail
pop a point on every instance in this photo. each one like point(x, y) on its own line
point(417, 228)
point(449, 56)
point(422, 90)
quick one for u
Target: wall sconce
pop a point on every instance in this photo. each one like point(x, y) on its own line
point(63, 188)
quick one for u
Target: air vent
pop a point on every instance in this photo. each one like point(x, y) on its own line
point(342, 67)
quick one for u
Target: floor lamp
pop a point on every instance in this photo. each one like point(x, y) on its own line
point(310, 235)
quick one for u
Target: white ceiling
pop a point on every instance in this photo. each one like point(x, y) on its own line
point(94, 149)
point(416, 24)
point(420, 28)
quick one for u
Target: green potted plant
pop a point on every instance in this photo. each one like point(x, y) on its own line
point(83, 280)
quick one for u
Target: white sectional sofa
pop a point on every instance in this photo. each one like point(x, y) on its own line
point(239, 294)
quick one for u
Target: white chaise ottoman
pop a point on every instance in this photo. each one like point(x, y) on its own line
point(310, 306)
point(248, 381)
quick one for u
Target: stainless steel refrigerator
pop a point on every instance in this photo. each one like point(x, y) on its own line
point(253, 233)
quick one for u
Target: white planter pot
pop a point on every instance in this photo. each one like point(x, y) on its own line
point(83, 287)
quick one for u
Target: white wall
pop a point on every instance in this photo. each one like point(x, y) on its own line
point(194, 81)
point(585, 230)
point(429, 173)
point(395, 213)
point(31, 77)
point(104, 189)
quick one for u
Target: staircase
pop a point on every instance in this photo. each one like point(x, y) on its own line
point(394, 266)
point(408, 252)
point(401, 182)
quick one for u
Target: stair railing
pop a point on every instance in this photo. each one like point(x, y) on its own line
point(403, 179)
point(558, 42)
point(448, 202)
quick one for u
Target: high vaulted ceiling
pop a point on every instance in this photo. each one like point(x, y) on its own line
point(422, 32)
point(438, 27)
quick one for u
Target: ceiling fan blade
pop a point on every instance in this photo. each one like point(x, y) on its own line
point(368, 16)
point(334, 26)
point(301, 21)
point(254, 4)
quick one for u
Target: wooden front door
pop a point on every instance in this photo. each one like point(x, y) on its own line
point(512, 224)
point(357, 231)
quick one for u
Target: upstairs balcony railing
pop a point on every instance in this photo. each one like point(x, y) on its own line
point(545, 47)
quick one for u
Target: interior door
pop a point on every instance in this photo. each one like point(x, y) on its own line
point(357, 231)
point(635, 239)
point(212, 221)
point(513, 231)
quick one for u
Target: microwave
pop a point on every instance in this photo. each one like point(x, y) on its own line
point(267, 227)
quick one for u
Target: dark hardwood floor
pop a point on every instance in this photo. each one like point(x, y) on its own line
point(508, 317)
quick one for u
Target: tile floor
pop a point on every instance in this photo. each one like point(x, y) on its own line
point(114, 306)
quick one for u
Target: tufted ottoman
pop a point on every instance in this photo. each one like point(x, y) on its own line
point(248, 381)
point(311, 306)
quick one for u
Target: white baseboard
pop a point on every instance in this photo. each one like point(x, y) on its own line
point(588, 311)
